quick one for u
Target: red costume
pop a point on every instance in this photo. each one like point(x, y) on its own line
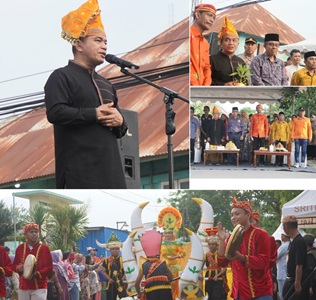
point(5, 270)
point(44, 265)
point(251, 279)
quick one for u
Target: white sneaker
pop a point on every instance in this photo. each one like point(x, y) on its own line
point(297, 165)
point(304, 166)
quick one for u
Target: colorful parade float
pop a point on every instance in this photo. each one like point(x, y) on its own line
point(186, 260)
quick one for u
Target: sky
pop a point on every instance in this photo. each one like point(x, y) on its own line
point(106, 207)
point(31, 42)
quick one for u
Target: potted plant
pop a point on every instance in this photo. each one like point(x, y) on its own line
point(243, 73)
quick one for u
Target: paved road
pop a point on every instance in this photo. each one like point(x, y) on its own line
point(247, 171)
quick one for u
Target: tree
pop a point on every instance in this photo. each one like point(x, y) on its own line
point(65, 225)
point(6, 222)
point(38, 214)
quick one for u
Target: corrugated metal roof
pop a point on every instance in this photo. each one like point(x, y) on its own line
point(27, 143)
point(168, 52)
point(255, 20)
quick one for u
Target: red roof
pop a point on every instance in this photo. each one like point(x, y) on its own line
point(253, 19)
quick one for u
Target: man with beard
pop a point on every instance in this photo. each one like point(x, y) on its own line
point(224, 63)
point(200, 72)
point(266, 68)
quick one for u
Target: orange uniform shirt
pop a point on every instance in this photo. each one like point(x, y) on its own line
point(200, 66)
point(302, 129)
point(259, 126)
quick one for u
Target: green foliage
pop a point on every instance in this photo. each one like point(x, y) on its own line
point(243, 73)
point(294, 98)
point(38, 214)
point(6, 222)
point(65, 225)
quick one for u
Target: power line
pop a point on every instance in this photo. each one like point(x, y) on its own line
point(119, 54)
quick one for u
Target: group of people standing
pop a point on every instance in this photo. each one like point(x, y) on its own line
point(251, 133)
point(265, 69)
point(54, 275)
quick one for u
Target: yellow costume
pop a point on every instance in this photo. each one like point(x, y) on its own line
point(172, 251)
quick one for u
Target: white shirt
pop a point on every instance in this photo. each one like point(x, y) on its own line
point(290, 71)
point(281, 261)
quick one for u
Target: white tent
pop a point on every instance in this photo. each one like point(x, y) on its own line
point(302, 46)
point(279, 231)
point(303, 207)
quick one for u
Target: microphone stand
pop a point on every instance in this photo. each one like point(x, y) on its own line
point(170, 128)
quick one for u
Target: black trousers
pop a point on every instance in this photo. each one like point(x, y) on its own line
point(192, 151)
point(288, 292)
point(257, 143)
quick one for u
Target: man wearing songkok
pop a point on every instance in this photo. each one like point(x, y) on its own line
point(295, 56)
point(266, 68)
point(113, 269)
point(235, 133)
point(296, 261)
point(216, 283)
point(280, 134)
point(306, 76)
point(83, 107)
point(224, 63)
point(259, 131)
point(35, 287)
point(250, 263)
point(281, 262)
point(200, 72)
point(216, 135)
point(301, 134)
point(157, 274)
point(5, 271)
point(172, 251)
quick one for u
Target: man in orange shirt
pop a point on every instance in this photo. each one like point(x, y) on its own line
point(301, 135)
point(259, 131)
point(200, 67)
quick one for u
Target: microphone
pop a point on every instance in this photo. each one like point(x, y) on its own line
point(112, 59)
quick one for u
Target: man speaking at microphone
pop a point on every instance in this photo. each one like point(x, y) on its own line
point(83, 107)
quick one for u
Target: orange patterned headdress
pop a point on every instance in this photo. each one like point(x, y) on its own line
point(245, 205)
point(85, 21)
point(211, 231)
point(227, 28)
point(215, 110)
point(30, 226)
point(169, 219)
point(255, 216)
